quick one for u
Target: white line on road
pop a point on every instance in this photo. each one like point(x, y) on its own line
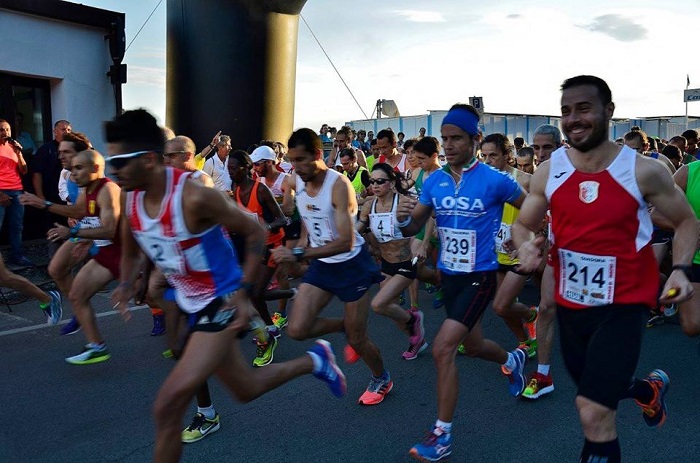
point(46, 325)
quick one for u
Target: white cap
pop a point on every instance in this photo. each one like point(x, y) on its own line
point(262, 153)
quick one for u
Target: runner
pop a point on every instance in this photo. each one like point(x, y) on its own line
point(179, 225)
point(467, 197)
point(521, 319)
point(256, 200)
point(340, 263)
point(596, 190)
point(379, 217)
point(95, 234)
point(50, 302)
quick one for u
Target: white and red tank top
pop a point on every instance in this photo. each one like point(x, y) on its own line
point(602, 253)
point(201, 267)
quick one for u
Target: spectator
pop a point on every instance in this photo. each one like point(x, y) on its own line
point(12, 165)
point(217, 166)
point(24, 138)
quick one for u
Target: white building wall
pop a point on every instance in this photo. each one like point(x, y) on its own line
point(75, 60)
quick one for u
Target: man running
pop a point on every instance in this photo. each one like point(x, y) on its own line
point(596, 190)
point(179, 224)
point(467, 197)
point(340, 263)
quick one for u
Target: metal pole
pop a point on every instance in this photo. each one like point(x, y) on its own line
point(687, 85)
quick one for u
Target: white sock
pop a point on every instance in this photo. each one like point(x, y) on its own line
point(318, 363)
point(510, 363)
point(543, 369)
point(209, 411)
point(447, 427)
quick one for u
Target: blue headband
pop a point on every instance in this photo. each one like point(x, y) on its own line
point(464, 119)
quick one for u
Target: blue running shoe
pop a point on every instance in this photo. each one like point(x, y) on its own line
point(328, 370)
point(72, 327)
point(430, 288)
point(655, 412)
point(516, 377)
point(437, 445)
point(55, 308)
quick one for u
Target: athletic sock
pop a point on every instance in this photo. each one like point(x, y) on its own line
point(600, 452)
point(208, 412)
point(446, 427)
point(411, 321)
point(318, 363)
point(97, 346)
point(510, 363)
point(155, 311)
point(543, 369)
point(641, 391)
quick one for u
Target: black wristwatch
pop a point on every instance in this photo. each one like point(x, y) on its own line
point(47, 204)
point(687, 269)
point(298, 253)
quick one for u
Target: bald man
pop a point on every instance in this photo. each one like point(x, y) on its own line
point(98, 209)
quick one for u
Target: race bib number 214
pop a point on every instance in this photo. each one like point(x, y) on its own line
point(586, 279)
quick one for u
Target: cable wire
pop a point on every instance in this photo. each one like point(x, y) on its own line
point(143, 25)
point(334, 68)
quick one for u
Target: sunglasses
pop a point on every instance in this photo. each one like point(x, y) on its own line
point(378, 181)
point(118, 161)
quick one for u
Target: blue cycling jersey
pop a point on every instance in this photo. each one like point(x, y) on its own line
point(468, 215)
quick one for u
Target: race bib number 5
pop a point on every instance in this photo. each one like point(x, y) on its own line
point(458, 249)
point(319, 230)
point(586, 279)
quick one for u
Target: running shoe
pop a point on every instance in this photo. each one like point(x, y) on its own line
point(656, 318)
point(21, 261)
point(430, 288)
point(669, 310)
point(200, 427)
point(516, 377)
point(274, 284)
point(436, 446)
point(158, 325)
point(351, 356)
point(538, 386)
point(655, 412)
point(329, 370)
point(72, 327)
point(530, 326)
point(402, 298)
point(461, 350)
point(530, 347)
point(414, 350)
point(89, 355)
point(274, 331)
point(376, 391)
point(438, 299)
point(279, 320)
point(168, 354)
point(265, 352)
point(54, 311)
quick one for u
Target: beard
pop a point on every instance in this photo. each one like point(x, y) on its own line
point(598, 136)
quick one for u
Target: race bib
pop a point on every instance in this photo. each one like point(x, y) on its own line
point(252, 215)
point(94, 222)
point(382, 225)
point(502, 237)
point(165, 252)
point(586, 279)
point(319, 230)
point(458, 249)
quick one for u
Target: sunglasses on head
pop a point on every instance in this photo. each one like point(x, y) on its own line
point(378, 181)
point(118, 161)
point(172, 154)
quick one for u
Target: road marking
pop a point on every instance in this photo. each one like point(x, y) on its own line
point(46, 325)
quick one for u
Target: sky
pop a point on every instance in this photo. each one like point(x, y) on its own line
point(429, 55)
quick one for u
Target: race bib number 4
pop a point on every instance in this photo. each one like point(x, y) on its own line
point(458, 249)
point(382, 225)
point(586, 279)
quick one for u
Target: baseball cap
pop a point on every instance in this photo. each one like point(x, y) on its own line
point(262, 153)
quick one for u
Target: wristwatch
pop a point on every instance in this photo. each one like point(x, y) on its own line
point(298, 253)
point(687, 269)
point(47, 204)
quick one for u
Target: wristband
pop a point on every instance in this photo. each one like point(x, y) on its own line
point(298, 252)
point(687, 269)
point(74, 230)
point(211, 147)
point(406, 222)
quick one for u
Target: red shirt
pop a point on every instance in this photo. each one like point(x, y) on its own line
point(9, 170)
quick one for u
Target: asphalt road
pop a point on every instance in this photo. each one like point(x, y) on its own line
point(55, 412)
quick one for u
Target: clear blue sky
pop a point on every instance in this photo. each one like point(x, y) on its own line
point(429, 55)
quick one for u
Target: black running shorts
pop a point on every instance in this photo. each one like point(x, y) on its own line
point(467, 295)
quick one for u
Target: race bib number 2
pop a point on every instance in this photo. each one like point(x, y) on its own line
point(458, 249)
point(586, 279)
point(165, 253)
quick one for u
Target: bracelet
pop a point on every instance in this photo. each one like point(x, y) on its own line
point(406, 222)
point(211, 147)
point(74, 230)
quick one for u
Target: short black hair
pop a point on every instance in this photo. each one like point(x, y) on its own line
point(388, 134)
point(307, 138)
point(603, 90)
point(136, 130)
point(427, 146)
